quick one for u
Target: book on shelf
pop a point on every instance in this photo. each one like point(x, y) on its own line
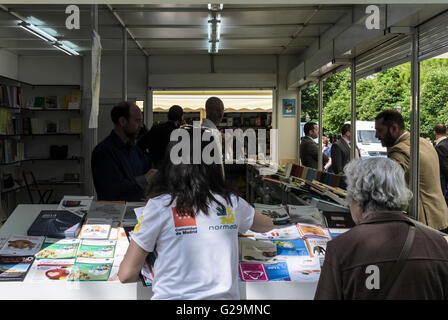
point(10, 96)
point(55, 248)
point(50, 269)
point(96, 228)
point(51, 102)
point(20, 245)
point(39, 102)
point(57, 224)
point(75, 125)
point(15, 268)
point(86, 269)
point(37, 126)
point(96, 249)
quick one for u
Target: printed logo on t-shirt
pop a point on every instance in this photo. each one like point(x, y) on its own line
point(227, 219)
point(184, 224)
point(137, 227)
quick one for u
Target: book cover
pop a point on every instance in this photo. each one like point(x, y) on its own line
point(57, 224)
point(306, 214)
point(19, 245)
point(51, 269)
point(113, 210)
point(252, 272)
point(317, 248)
point(96, 228)
point(15, 268)
point(54, 248)
point(75, 125)
point(96, 249)
point(257, 251)
point(309, 230)
point(277, 213)
point(76, 204)
point(291, 247)
point(277, 272)
point(86, 269)
point(303, 269)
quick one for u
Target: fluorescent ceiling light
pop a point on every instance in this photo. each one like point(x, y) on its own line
point(37, 32)
point(66, 49)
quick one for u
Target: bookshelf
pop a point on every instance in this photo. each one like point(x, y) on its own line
point(40, 129)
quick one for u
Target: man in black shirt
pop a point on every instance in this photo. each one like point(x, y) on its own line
point(155, 141)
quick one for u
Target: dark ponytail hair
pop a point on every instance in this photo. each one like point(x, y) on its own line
point(191, 185)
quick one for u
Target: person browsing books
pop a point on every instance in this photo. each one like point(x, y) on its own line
point(191, 221)
point(120, 170)
point(363, 263)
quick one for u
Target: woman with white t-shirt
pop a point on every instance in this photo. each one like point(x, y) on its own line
point(192, 221)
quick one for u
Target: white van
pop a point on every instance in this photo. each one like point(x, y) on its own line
point(369, 146)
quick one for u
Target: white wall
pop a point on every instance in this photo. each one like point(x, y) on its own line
point(9, 64)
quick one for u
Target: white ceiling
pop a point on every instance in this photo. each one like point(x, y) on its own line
point(172, 29)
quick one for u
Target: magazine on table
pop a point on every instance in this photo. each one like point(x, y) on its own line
point(309, 230)
point(113, 210)
point(96, 228)
point(76, 204)
point(257, 251)
point(50, 269)
point(317, 248)
point(54, 248)
point(100, 249)
point(14, 268)
point(284, 233)
point(57, 224)
point(86, 269)
point(278, 213)
point(19, 245)
point(306, 214)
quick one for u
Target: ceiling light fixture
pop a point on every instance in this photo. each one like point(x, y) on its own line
point(214, 27)
point(37, 32)
point(47, 37)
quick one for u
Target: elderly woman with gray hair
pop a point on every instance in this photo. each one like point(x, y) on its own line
point(385, 256)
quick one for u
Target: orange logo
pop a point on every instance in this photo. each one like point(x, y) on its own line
point(183, 220)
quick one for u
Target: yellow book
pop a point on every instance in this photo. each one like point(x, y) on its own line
point(75, 125)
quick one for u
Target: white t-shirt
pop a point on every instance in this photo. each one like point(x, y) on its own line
point(197, 258)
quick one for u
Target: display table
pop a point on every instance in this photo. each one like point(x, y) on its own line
point(24, 215)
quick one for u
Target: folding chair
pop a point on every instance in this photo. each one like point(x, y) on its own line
point(31, 185)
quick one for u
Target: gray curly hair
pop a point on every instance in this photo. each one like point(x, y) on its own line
point(377, 184)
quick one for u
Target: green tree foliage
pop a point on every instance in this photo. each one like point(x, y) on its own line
point(384, 90)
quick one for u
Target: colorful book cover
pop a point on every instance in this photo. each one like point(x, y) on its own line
point(291, 248)
point(303, 269)
point(317, 248)
point(51, 269)
point(252, 272)
point(96, 249)
point(277, 272)
point(86, 269)
point(334, 232)
point(258, 251)
point(96, 229)
point(18, 245)
point(15, 268)
point(309, 230)
point(58, 249)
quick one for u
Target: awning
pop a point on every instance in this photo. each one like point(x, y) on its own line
point(194, 101)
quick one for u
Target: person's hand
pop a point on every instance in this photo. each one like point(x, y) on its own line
point(150, 174)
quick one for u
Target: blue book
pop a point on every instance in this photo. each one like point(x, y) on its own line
point(291, 247)
point(57, 224)
point(277, 272)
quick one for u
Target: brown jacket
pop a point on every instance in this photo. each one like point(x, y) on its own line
point(432, 208)
point(378, 241)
